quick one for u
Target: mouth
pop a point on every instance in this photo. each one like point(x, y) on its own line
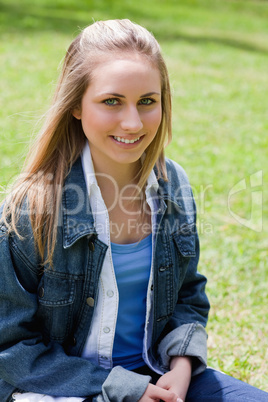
point(126, 140)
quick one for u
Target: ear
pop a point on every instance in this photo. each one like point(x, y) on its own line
point(77, 113)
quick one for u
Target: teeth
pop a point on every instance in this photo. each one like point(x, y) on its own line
point(126, 141)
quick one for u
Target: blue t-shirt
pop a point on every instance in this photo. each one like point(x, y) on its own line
point(132, 264)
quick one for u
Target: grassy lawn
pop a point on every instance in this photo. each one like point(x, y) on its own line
point(217, 54)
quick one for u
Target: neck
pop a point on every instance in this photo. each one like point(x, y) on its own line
point(119, 175)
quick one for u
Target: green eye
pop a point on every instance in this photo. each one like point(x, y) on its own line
point(111, 102)
point(146, 101)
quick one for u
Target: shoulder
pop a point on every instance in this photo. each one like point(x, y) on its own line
point(176, 171)
point(177, 191)
point(20, 242)
point(177, 180)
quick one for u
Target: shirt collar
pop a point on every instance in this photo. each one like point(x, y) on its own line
point(90, 178)
point(88, 168)
point(152, 183)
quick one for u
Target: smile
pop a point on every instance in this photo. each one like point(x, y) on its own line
point(125, 140)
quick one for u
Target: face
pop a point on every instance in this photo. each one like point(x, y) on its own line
point(121, 110)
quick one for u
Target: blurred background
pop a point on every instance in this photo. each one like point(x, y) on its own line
point(217, 55)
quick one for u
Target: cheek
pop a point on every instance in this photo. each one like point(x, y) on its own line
point(154, 119)
point(97, 121)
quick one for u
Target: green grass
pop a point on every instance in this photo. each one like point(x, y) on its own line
point(217, 54)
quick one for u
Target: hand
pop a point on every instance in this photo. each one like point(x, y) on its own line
point(155, 393)
point(177, 380)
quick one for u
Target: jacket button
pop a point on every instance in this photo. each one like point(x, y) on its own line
point(90, 301)
point(162, 269)
point(91, 246)
point(74, 341)
point(41, 292)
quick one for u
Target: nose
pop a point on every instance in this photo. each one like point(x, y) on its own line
point(131, 120)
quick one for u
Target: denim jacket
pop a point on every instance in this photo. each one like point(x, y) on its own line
point(46, 313)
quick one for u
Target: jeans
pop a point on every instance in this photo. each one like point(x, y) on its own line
point(212, 385)
point(215, 386)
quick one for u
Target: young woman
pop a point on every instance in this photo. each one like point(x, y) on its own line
point(100, 295)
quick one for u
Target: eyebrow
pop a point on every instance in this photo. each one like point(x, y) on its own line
point(122, 96)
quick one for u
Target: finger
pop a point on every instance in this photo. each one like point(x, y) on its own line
point(167, 396)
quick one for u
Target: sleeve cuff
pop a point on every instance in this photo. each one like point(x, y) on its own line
point(123, 385)
point(187, 340)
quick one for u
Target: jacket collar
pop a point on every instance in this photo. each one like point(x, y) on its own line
point(77, 217)
point(177, 190)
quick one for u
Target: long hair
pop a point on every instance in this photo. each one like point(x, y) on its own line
point(62, 139)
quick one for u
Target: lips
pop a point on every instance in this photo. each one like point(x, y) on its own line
point(126, 140)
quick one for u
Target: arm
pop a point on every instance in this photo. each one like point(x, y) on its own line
point(182, 350)
point(178, 379)
point(27, 363)
point(183, 333)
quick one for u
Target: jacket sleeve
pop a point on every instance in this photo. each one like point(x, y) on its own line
point(185, 331)
point(27, 363)
point(185, 334)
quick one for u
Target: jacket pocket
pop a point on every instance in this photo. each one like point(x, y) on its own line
point(56, 297)
point(184, 249)
point(185, 240)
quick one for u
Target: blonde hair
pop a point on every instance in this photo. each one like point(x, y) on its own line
point(61, 139)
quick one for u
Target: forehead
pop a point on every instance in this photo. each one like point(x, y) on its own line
point(124, 69)
point(106, 57)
